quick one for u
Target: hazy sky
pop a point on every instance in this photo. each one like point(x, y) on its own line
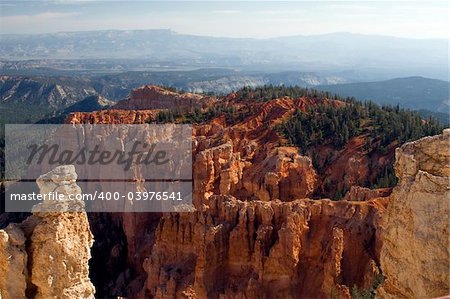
point(417, 19)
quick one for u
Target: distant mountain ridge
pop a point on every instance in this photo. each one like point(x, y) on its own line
point(384, 55)
point(412, 92)
point(51, 92)
point(28, 99)
point(89, 104)
point(47, 94)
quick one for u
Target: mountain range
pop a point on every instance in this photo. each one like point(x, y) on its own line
point(411, 92)
point(368, 56)
point(39, 98)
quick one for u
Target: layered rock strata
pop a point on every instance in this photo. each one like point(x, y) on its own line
point(415, 257)
point(256, 235)
point(46, 256)
point(237, 249)
point(244, 158)
point(154, 97)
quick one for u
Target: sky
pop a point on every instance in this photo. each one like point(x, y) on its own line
point(256, 19)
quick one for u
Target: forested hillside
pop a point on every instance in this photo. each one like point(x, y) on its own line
point(325, 131)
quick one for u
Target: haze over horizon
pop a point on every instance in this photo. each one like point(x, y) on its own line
point(341, 33)
point(230, 19)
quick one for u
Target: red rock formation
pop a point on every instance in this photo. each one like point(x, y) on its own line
point(154, 97)
point(111, 117)
point(247, 157)
point(254, 233)
point(357, 193)
point(272, 242)
point(415, 257)
point(236, 249)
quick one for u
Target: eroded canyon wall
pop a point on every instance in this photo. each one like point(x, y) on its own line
point(255, 233)
point(415, 257)
point(236, 249)
point(162, 99)
point(46, 256)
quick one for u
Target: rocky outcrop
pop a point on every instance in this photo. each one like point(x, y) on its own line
point(357, 193)
point(46, 256)
point(246, 160)
point(237, 249)
point(252, 162)
point(154, 97)
point(415, 257)
point(255, 233)
point(13, 262)
point(111, 117)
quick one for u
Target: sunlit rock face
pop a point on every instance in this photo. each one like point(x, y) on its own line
point(255, 249)
point(415, 257)
point(154, 97)
point(255, 233)
point(13, 265)
point(46, 256)
point(246, 157)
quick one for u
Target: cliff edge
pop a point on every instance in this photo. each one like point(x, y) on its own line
point(415, 257)
point(46, 256)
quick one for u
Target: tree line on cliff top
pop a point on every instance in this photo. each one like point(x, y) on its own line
point(232, 115)
point(271, 92)
point(335, 125)
point(382, 128)
point(322, 124)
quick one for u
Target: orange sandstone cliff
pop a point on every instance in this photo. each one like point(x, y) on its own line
point(415, 257)
point(162, 99)
point(237, 249)
point(256, 233)
point(46, 256)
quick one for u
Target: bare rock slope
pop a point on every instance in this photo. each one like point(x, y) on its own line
point(155, 97)
point(256, 249)
point(415, 257)
point(255, 233)
point(46, 256)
